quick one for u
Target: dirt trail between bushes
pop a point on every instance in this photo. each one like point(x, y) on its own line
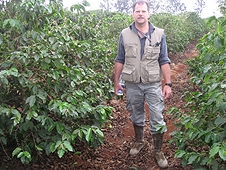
point(113, 154)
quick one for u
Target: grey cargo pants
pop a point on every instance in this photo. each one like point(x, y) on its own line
point(136, 95)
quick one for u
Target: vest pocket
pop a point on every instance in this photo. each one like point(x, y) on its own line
point(154, 75)
point(152, 53)
point(150, 76)
point(130, 50)
point(129, 74)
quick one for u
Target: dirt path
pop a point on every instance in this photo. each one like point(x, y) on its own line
point(113, 154)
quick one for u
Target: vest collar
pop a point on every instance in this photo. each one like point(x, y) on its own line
point(151, 28)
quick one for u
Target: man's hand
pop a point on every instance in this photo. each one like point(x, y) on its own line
point(166, 92)
point(117, 87)
point(117, 72)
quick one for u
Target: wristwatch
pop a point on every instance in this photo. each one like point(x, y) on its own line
point(169, 84)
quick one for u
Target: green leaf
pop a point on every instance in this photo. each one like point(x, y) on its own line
point(52, 147)
point(180, 153)
point(16, 116)
point(192, 159)
point(73, 84)
point(36, 57)
point(52, 40)
point(59, 128)
point(160, 128)
point(51, 127)
point(214, 150)
point(217, 43)
point(68, 145)
point(220, 121)
point(207, 137)
point(22, 81)
point(42, 95)
point(60, 153)
point(56, 75)
point(31, 114)
point(58, 143)
point(204, 161)
point(16, 151)
point(27, 125)
point(1, 131)
point(87, 107)
point(47, 60)
point(206, 68)
point(98, 131)
point(223, 106)
point(3, 140)
point(13, 72)
point(223, 23)
point(214, 165)
point(20, 155)
point(1, 41)
point(56, 45)
point(5, 23)
point(222, 153)
point(89, 135)
point(4, 81)
point(38, 148)
point(66, 38)
point(223, 85)
point(100, 91)
point(214, 86)
point(31, 100)
point(75, 132)
point(223, 56)
point(12, 22)
point(27, 154)
point(79, 92)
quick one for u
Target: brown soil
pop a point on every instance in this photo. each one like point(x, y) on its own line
point(113, 154)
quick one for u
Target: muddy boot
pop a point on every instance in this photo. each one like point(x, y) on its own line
point(159, 156)
point(139, 137)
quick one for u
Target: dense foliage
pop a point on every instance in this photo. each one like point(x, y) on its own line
point(55, 73)
point(155, 6)
point(180, 29)
point(54, 80)
point(201, 132)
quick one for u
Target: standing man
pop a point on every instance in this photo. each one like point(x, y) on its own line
point(143, 59)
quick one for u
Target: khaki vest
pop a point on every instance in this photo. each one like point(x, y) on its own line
point(146, 69)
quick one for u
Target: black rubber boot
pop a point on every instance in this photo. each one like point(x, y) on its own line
point(159, 156)
point(139, 143)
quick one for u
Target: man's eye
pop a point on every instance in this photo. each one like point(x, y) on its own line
point(141, 12)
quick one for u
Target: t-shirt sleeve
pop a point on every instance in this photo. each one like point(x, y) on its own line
point(121, 51)
point(163, 56)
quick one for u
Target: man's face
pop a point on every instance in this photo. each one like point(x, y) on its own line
point(141, 14)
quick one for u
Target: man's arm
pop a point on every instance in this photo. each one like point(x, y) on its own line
point(117, 72)
point(119, 62)
point(167, 77)
point(166, 72)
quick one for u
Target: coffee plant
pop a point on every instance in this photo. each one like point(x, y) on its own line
point(201, 132)
point(180, 29)
point(54, 80)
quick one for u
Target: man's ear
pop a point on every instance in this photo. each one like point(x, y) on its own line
point(133, 15)
point(149, 14)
